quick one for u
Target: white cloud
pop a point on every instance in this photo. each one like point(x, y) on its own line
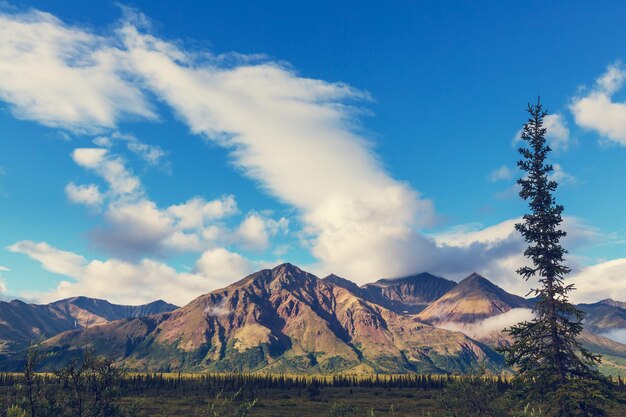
point(135, 226)
point(65, 77)
point(139, 228)
point(4, 268)
point(292, 134)
point(600, 281)
point(613, 79)
point(133, 282)
point(112, 168)
point(89, 157)
point(562, 177)
point(151, 154)
point(196, 212)
point(52, 259)
point(469, 234)
point(254, 232)
point(84, 194)
point(557, 134)
point(224, 266)
point(502, 173)
point(134, 229)
point(619, 335)
point(218, 310)
point(491, 325)
point(597, 111)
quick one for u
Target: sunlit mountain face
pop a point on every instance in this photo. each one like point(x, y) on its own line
point(286, 320)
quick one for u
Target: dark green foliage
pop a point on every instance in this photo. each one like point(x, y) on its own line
point(84, 388)
point(550, 362)
point(472, 396)
point(90, 387)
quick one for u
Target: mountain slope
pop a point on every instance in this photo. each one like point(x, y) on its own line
point(474, 298)
point(604, 316)
point(280, 320)
point(409, 294)
point(614, 303)
point(22, 323)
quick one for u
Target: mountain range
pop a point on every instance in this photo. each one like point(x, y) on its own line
point(286, 320)
point(22, 324)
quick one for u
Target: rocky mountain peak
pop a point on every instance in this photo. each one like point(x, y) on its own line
point(409, 294)
point(613, 303)
point(472, 299)
point(343, 283)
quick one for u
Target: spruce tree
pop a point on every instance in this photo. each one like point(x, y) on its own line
point(551, 364)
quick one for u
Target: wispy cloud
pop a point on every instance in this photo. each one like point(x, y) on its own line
point(501, 173)
point(151, 154)
point(88, 194)
point(596, 109)
point(562, 177)
point(282, 129)
point(603, 280)
point(491, 325)
point(63, 76)
point(286, 131)
point(132, 282)
point(557, 134)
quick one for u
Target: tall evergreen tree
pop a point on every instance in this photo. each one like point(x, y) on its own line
point(551, 364)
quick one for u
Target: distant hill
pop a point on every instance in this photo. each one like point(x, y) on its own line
point(22, 324)
point(613, 303)
point(604, 316)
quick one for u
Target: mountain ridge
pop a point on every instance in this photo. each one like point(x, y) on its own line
point(22, 323)
point(280, 320)
point(287, 320)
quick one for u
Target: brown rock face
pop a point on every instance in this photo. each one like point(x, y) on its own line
point(409, 294)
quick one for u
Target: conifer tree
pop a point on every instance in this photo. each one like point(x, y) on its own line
point(552, 366)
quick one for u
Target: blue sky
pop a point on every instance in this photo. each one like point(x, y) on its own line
point(152, 151)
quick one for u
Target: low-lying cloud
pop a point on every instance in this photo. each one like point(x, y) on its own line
point(491, 325)
point(618, 335)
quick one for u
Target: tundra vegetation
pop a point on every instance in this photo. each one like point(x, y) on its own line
point(94, 387)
